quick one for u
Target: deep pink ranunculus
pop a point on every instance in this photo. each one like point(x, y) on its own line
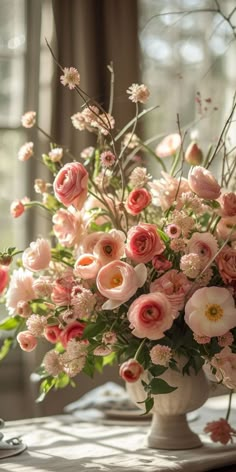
point(150, 315)
point(72, 330)
point(3, 277)
point(138, 200)
point(143, 243)
point(71, 185)
point(52, 333)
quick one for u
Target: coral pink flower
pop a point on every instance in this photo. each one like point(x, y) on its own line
point(119, 281)
point(110, 246)
point(175, 286)
point(228, 204)
point(27, 341)
point(193, 154)
point(173, 231)
point(87, 266)
point(143, 243)
point(226, 228)
point(17, 208)
point(204, 245)
point(224, 364)
point(169, 145)
point(131, 370)
point(52, 333)
point(70, 185)
point(211, 311)
point(226, 340)
point(138, 200)
point(150, 316)
point(226, 261)
point(20, 289)
point(3, 277)
point(108, 158)
point(72, 330)
point(220, 431)
point(168, 191)
point(37, 256)
point(202, 182)
point(68, 227)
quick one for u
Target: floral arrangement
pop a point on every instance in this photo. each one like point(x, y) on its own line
point(137, 269)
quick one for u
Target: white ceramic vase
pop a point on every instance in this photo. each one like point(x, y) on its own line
point(169, 427)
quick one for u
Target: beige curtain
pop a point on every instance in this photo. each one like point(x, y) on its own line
point(89, 35)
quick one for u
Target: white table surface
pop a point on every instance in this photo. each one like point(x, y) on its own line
point(64, 443)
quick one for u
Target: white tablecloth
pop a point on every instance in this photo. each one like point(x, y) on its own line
point(63, 443)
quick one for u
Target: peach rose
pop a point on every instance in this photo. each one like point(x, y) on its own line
point(3, 277)
point(87, 266)
point(72, 330)
point(226, 228)
point(68, 227)
point(228, 204)
point(130, 370)
point(143, 243)
point(210, 311)
point(52, 333)
point(27, 341)
point(226, 261)
point(110, 246)
point(138, 200)
point(118, 281)
point(37, 256)
point(150, 316)
point(174, 285)
point(71, 184)
point(202, 182)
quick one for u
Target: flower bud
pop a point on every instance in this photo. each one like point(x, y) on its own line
point(193, 154)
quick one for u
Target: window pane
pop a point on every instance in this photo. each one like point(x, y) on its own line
point(11, 91)
point(12, 26)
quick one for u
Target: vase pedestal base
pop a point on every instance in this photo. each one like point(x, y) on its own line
point(172, 432)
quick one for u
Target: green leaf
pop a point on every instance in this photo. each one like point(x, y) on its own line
point(163, 235)
point(109, 360)
point(45, 387)
point(62, 381)
point(149, 402)
point(160, 386)
point(93, 329)
point(9, 323)
point(157, 370)
point(5, 348)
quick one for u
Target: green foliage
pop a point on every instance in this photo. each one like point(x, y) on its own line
point(10, 323)
point(7, 344)
point(160, 386)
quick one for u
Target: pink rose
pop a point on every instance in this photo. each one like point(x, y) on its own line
point(226, 228)
point(70, 185)
point(150, 316)
point(202, 182)
point(20, 289)
point(68, 227)
point(52, 333)
point(138, 200)
point(226, 261)
point(87, 266)
point(27, 341)
point(143, 243)
point(118, 281)
point(3, 277)
point(228, 204)
point(169, 145)
point(72, 330)
point(17, 208)
point(37, 256)
point(175, 286)
point(131, 370)
point(61, 293)
point(110, 246)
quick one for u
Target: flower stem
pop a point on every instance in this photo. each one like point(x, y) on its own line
point(139, 349)
point(229, 405)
